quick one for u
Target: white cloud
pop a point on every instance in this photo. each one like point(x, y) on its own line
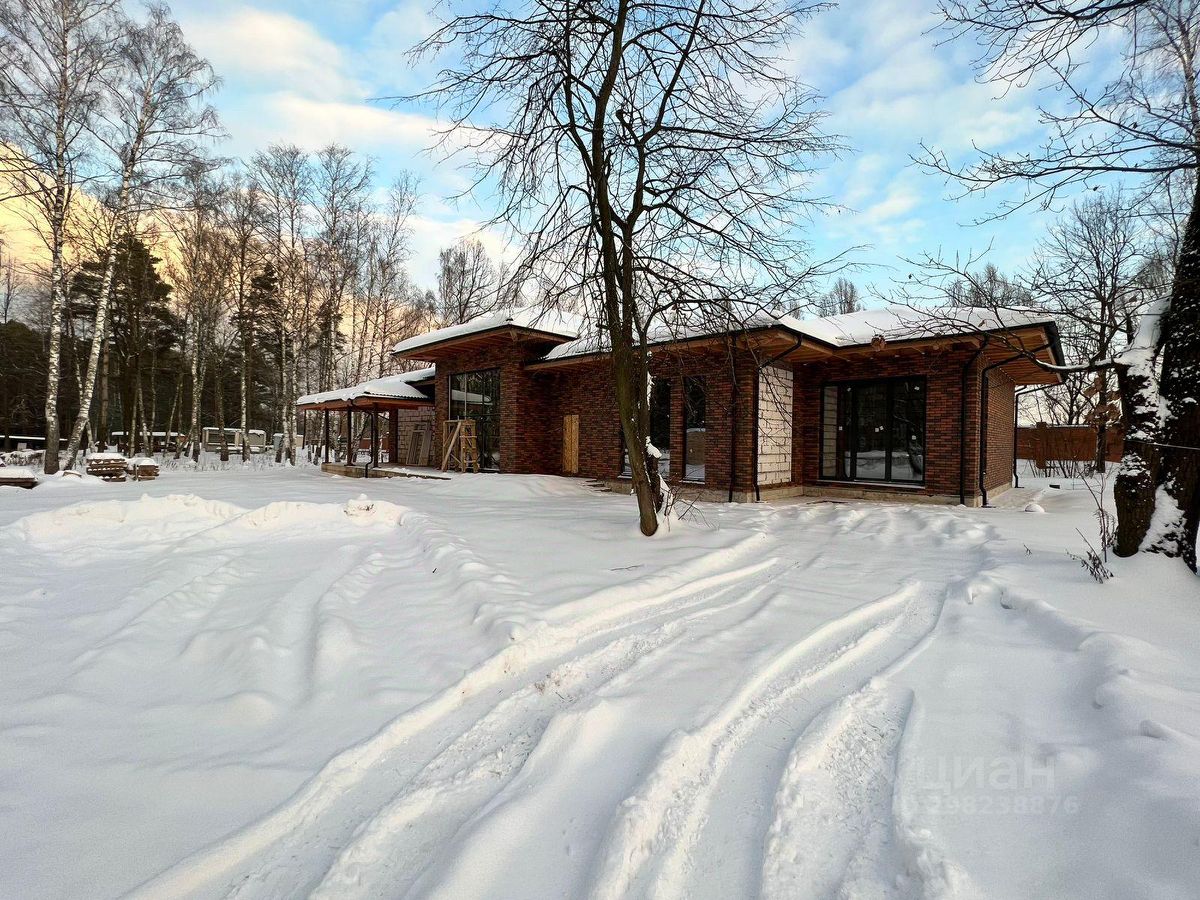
point(271, 49)
point(899, 200)
point(313, 123)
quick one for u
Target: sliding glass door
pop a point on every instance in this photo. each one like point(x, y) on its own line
point(874, 431)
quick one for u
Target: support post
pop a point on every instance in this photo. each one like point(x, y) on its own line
point(373, 459)
point(326, 435)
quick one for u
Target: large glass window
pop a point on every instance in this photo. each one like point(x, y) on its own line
point(660, 428)
point(476, 395)
point(694, 414)
point(874, 431)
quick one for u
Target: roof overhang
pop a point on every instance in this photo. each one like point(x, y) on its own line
point(1025, 351)
point(498, 336)
point(770, 340)
point(366, 404)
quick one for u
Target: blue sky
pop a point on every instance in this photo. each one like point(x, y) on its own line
point(304, 71)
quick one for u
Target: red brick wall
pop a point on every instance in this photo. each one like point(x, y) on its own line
point(524, 405)
point(533, 402)
point(1001, 402)
point(943, 373)
point(587, 390)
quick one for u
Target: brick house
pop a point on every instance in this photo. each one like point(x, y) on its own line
point(885, 403)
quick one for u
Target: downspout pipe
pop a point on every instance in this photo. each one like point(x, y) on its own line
point(757, 399)
point(983, 418)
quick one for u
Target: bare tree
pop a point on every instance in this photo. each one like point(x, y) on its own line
point(53, 55)
point(1088, 273)
point(240, 211)
point(840, 299)
point(341, 183)
point(652, 157)
point(989, 288)
point(386, 290)
point(467, 282)
point(1143, 122)
point(285, 179)
point(12, 286)
point(201, 275)
point(155, 115)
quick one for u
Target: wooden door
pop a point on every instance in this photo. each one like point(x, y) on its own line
point(570, 460)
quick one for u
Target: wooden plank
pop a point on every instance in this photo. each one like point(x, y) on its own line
point(570, 460)
point(449, 440)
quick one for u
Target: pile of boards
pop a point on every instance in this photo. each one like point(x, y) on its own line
point(115, 467)
point(107, 466)
point(142, 468)
point(17, 476)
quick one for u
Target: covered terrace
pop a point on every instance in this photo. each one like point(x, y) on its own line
point(356, 413)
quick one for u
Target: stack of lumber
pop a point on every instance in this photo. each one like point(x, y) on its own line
point(109, 466)
point(17, 476)
point(143, 468)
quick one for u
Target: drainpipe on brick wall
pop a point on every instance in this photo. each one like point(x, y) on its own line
point(757, 378)
point(962, 421)
point(983, 417)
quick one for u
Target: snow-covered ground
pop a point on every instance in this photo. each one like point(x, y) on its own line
point(255, 683)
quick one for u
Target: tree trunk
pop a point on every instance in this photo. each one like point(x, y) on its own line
point(197, 396)
point(1135, 485)
point(245, 397)
point(58, 302)
point(101, 432)
point(1102, 423)
point(169, 436)
point(219, 403)
point(633, 405)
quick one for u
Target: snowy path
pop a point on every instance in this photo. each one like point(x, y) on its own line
point(410, 696)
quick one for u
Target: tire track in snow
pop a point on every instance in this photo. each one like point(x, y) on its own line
point(832, 833)
point(397, 842)
point(604, 615)
point(664, 833)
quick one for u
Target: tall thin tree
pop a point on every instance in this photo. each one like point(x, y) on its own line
point(53, 57)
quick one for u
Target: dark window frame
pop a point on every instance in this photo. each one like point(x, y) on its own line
point(624, 471)
point(847, 430)
point(687, 382)
point(491, 428)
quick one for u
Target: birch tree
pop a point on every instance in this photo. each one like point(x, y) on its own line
point(341, 183)
point(54, 55)
point(154, 117)
point(241, 215)
point(284, 175)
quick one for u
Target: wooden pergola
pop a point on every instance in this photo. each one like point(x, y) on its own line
point(371, 398)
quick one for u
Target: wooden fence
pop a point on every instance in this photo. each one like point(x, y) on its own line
point(1045, 444)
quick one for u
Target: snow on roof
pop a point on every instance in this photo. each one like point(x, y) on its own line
point(391, 387)
point(893, 323)
point(561, 324)
point(896, 323)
